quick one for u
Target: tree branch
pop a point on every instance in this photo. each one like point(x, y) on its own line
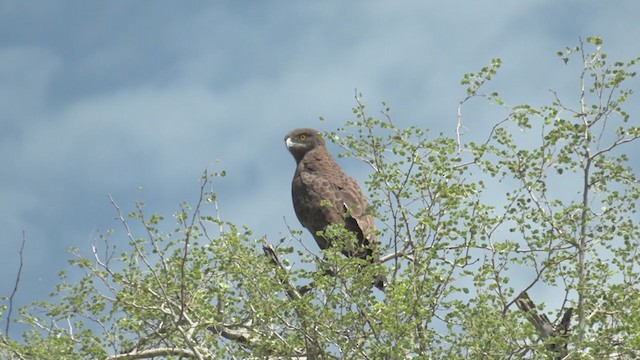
point(150, 353)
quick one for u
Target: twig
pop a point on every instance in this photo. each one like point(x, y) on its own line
point(188, 230)
point(15, 287)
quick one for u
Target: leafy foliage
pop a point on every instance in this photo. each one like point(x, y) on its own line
point(545, 203)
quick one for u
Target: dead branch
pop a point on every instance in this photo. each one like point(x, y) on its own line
point(553, 335)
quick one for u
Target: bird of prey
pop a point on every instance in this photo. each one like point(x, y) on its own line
point(324, 195)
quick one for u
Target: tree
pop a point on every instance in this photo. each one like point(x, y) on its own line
point(477, 232)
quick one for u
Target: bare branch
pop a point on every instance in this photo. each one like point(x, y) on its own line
point(554, 336)
point(16, 285)
point(292, 291)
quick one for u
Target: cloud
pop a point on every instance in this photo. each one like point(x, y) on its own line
point(25, 74)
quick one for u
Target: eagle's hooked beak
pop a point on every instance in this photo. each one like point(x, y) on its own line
point(289, 143)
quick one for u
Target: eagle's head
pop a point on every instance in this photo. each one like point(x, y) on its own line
point(301, 141)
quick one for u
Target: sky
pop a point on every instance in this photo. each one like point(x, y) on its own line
point(101, 98)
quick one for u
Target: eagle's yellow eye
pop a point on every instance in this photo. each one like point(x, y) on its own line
point(302, 137)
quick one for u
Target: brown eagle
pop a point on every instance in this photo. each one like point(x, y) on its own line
point(323, 195)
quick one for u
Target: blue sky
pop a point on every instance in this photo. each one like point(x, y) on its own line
point(102, 98)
